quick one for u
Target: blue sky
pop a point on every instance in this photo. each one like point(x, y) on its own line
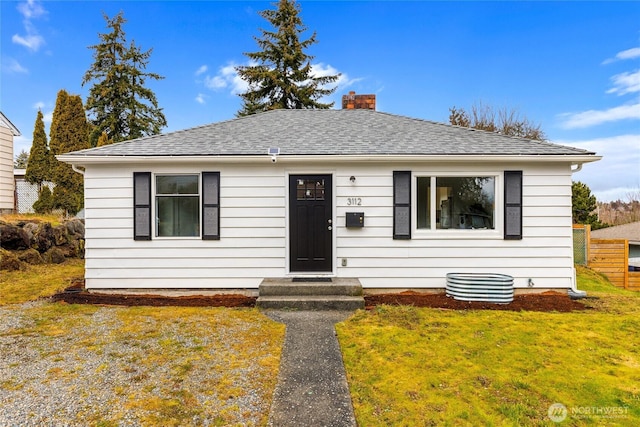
point(573, 67)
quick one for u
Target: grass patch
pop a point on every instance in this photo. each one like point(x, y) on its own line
point(413, 366)
point(591, 281)
point(50, 218)
point(170, 366)
point(38, 281)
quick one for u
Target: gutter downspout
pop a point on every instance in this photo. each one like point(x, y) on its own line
point(574, 292)
point(75, 169)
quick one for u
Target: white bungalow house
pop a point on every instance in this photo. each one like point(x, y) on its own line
point(393, 201)
point(7, 187)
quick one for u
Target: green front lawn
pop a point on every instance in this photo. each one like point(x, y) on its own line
point(417, 366)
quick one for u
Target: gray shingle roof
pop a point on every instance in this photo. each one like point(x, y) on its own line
point(629, 231)
point(329, 132)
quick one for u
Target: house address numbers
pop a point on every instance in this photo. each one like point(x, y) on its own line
point(354, 201)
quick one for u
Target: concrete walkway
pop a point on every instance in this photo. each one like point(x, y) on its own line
point(312, 387)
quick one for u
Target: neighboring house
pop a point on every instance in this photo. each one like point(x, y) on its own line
point(629, 232)
point(26, 193)
point(394, 201)
point(7, 188)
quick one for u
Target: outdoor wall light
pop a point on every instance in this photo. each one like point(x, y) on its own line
point(352, 179)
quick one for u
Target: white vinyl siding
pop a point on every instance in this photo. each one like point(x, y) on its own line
point(249, 249)
point(544, 254)
point(6, 170)
point(253, 230)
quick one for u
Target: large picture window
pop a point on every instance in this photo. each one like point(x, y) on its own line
point(456, 202)
point(177, 206)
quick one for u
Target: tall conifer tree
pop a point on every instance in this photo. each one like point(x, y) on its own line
point(283, 76)
point(69, 132)
point(103, 139)
point(118, 102)
point(21, 161)
point(39, 164)
point(583, 206)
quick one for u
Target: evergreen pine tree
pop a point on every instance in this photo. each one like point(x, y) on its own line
point(118, 102)
point(69, 132)
point(583, 204)
point(103, 139)
point(39, 164)
point(21, 161)
point(283, 77)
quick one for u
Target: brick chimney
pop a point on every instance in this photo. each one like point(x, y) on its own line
point(362, 102)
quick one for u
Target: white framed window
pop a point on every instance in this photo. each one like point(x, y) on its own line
point(456, 202)
point(464, 205)
point(184, 205)
point(177, 205)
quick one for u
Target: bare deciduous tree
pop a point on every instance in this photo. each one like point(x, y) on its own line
point(505, 121)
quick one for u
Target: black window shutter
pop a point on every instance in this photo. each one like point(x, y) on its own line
point(513, 205)
point(210, 205)
point(142, 206)
point(402, 205)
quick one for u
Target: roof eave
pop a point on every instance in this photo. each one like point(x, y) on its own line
point(82, 160)
point(5, 120)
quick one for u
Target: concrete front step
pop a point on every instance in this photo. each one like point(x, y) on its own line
point(311, 302)
point(285, 287)
point(339, 294)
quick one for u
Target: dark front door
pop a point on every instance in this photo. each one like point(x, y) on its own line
point(310, 223)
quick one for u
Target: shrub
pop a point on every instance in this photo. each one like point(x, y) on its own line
point(44, 204)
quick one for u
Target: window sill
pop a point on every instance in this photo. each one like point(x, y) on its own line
point(177, 238)
point(466, 234)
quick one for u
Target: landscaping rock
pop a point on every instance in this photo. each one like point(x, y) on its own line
point(13, 238)
point(60, 235)
point(31, 256)
point(33, 242)
point(80, 248)
point(75, 227)
point(73, 249)
point(9, 261)
point(30, 228)
point(54, 256)
point(43, 237)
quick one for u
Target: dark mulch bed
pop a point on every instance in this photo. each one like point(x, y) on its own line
point(234, 300)
point(547, 301)
point(76, 294)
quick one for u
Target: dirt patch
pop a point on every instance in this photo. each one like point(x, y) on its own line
point(76, 294)
point(547, 301)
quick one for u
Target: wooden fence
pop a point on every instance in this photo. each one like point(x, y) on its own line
point(611, 258)
point(633, 282)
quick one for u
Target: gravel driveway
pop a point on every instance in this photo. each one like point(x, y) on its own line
point(77, 365)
